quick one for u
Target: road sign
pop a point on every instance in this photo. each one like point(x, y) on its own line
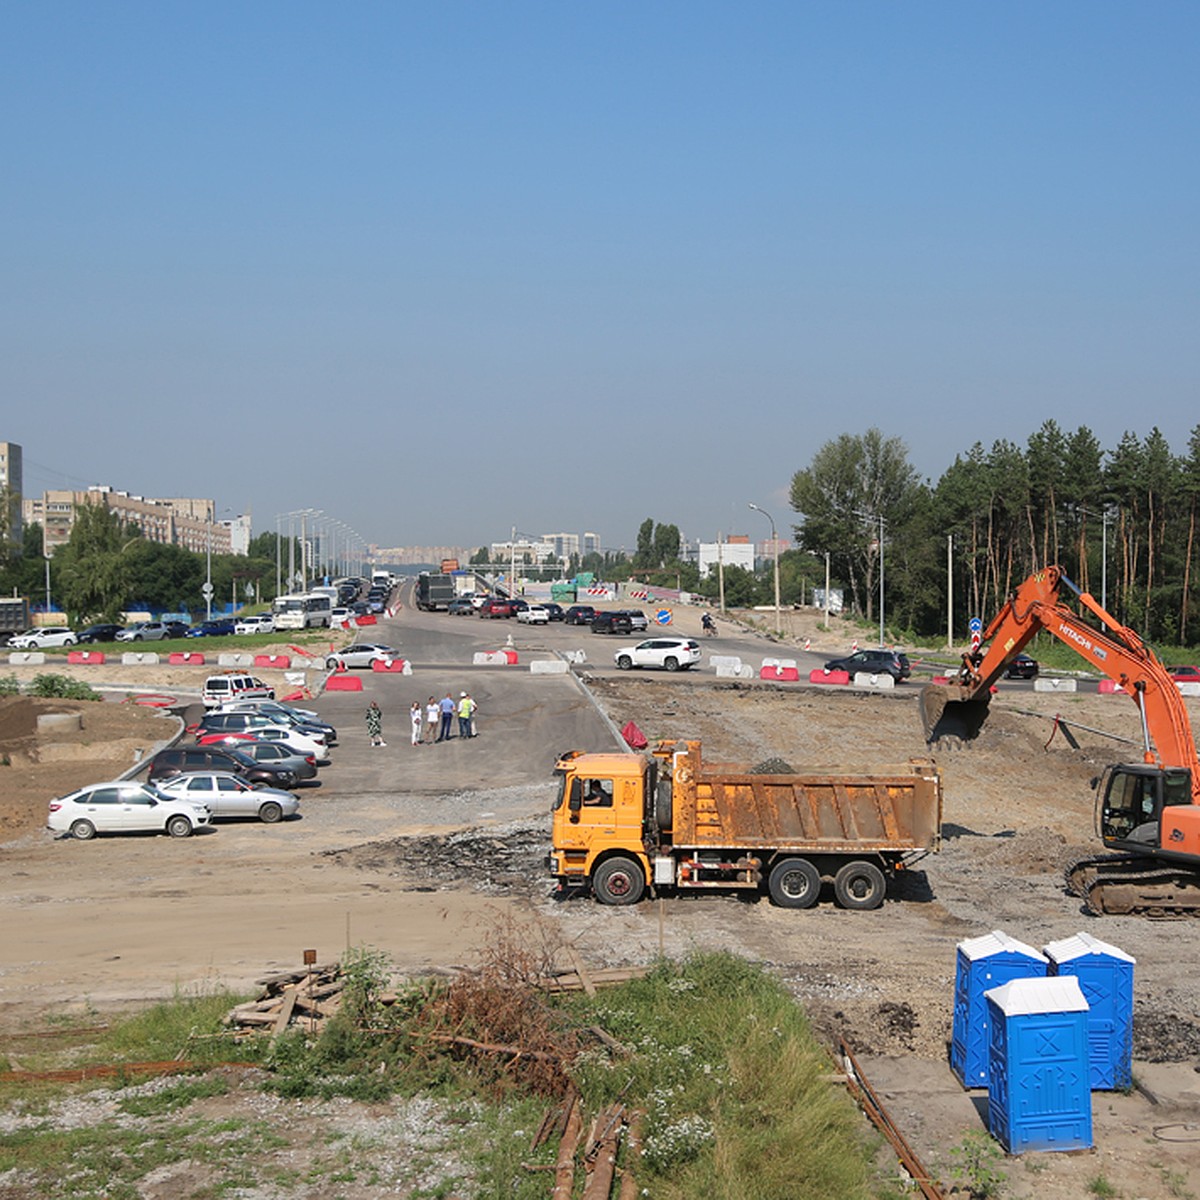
point(207, 590)
point(975, 625)
point(663, 616)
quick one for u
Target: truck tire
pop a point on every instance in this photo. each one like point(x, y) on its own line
point(794, 883)
point(859, 885)
point(618, 881)
point(664, 808)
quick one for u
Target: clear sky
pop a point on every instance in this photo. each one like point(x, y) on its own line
point(443, 269)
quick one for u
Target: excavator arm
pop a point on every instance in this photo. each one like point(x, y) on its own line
point(958, 709)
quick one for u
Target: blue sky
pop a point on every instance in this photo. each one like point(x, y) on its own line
point(440, 270)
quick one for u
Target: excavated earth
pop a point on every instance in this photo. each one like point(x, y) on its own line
point(1018, 809)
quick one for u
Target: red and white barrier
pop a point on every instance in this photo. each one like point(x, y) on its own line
point(782, 669)
point(1108, 687)
point(185, 658)
point(392, 666)
point(343, 683)
point(820, 675)
point(83, 657)
point(282, 661)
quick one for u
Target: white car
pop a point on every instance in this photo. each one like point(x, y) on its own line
point(361, 654)
point(227, 795)
point(48, 635)
point(669, 653)
point(535, 614)
point(124, 807)
point(255, 623)
point(340, 616)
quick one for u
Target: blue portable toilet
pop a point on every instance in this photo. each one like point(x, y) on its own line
point(1038, 1094)
point(984, 962)
point(1105, 976)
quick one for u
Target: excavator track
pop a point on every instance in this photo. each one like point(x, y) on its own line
point(1131, 885)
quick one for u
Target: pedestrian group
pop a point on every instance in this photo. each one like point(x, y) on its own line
point(433, 722)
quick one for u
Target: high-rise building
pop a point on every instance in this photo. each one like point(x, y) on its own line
point(11, 487)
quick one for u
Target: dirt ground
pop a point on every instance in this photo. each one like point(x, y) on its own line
point(1018, 807)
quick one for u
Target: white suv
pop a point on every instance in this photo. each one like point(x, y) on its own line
point(535, 614)
point(670, 653)
point(219, 689)
point(48, 635)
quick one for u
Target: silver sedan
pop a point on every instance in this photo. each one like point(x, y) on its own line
point(361, 654)
point(227, 796)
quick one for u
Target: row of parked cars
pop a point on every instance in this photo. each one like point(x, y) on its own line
point(248, 752)
point(141, 631)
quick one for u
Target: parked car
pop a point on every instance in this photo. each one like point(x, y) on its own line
point(293, 739)
point(124, 807)
point(340, 616)
point(612, 622)
point(186, 760)
point(285, 714)
point(669, 653)
point(495, 607)
point(262, 724)
point(47, 635)
point(873, 662)
point(361, 654)
point(461, 606)
point(556, 611)
point(637, 619)
point(217, 627)
point(1184, 674)
point(226, 796)
point(234, 685)
point(1024, 667)
point(145, 631)
point(580, 614)
point(534, 614)
point(303, 766)
point(99, 633)
point(255, 623)
point(518, 605)
point(177, 629)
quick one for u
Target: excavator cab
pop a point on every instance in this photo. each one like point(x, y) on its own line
point(1130, 801)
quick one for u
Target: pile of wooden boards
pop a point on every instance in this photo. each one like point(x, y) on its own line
point(307, 997)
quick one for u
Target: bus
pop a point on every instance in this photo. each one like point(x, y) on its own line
point(301, 611)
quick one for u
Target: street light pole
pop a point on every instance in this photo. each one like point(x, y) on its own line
point(775, 549)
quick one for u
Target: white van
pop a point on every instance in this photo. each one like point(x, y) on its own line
point(220, 689)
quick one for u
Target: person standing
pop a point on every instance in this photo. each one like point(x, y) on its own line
point(375, 725)
point(446, 710)
point(414, 714)
point(433, 716)
point(466, 709)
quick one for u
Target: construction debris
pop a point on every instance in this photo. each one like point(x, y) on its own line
point(307, 997)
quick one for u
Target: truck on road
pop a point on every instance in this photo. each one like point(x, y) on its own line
point(14, 617)
point(434, 591)
point(626, 823)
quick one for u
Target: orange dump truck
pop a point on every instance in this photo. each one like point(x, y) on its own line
point(625, 823)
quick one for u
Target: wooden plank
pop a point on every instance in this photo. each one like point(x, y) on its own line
point(285, 1013)
point(588, 986)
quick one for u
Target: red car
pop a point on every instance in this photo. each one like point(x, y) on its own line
point(496, 608)
point(1184, 674)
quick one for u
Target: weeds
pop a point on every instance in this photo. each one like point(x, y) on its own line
point(62, 687)
point(977, 1158)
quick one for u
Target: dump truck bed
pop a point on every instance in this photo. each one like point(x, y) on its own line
point(897, 808)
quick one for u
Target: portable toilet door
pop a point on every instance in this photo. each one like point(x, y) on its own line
point(1105, 977)
point(1038, 1094)
point(982, 963)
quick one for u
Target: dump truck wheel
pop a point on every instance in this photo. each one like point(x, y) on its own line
point(859, 885)
point(618, 881)
point(794, 883)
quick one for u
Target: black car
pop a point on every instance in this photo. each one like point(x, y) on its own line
point(177, 629)
point(555, 610)
point(100, 633)
point(579, 614)
point(612, 622)
point(873, 662)
point(1022, 667)
point(182, 760)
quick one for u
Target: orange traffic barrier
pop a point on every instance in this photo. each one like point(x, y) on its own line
point(820, 675)
point(343, 683)
point(366, 619)
point(273, 660)
point(76, 657)
point(180, 658)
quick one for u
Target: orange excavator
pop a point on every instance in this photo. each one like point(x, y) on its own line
point(1149, 810)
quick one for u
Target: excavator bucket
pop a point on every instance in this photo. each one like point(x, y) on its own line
point(949, 713)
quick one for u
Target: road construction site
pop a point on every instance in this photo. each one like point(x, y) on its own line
point(418, 850)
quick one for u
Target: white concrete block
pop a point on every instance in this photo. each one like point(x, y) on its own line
point(548, 666)
point(235, 660)
point(866, 679)
point(725, 660)
point(140, 658)
point(490, 658)
point(1188, 689)
point(1055, 685)
point(26, 658)
point(735, 670)
point(575, 656)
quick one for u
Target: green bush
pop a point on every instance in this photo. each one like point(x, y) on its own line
point(9, 686)
point(62, 687)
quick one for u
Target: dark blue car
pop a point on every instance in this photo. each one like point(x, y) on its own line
point(218, 627)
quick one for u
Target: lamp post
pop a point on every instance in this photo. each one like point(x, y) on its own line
point(775, 548)
point(1104, 519)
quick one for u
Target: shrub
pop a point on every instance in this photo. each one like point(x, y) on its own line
point(62, 687)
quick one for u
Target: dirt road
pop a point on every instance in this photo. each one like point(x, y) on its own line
point(123, 919)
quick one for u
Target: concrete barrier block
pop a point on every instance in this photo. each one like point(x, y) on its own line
point(1055, 685)
point(343, 683)
point(781, 669)
point(230, 659)
point(734, 670)
point(575, 656)
point(820, 675)
point(308, 664)
point(392, 666)
point(26, 658)
point(551, 666)
point(79, 658)
point(1188, 689)
point(870, 679)
point(489, 658)
point(717, 661)
point(294, 678)
point(178, 658)
point(282, 661)
point(140, 658)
